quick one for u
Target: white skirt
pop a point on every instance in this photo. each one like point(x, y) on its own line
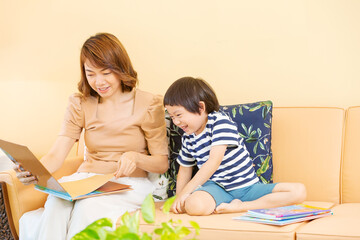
point(61, 219)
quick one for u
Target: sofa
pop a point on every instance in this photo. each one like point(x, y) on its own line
point(317, 146)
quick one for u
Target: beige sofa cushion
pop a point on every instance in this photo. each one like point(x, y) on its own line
point(350, 179)
point(306, 144)
point(344, 224)
point(222, 226)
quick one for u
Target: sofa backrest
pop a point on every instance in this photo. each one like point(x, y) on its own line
point(350, 179)
point(307, 147)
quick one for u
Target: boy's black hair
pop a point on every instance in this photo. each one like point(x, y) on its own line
point(188, 92)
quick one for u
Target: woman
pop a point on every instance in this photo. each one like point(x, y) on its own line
point(125, 134)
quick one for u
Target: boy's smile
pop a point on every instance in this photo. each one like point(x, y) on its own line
point(189, 122)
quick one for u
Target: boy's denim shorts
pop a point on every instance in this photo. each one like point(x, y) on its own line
point(245, 194)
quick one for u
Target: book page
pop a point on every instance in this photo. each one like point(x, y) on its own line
point(87, 185)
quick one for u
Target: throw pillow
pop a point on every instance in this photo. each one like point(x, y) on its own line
point(254, 125)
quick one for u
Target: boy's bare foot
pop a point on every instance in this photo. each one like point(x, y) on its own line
point(234, 206)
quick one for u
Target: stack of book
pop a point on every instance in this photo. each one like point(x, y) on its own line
point(284, 215)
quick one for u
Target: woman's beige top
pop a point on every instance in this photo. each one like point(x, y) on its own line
point(144, 131)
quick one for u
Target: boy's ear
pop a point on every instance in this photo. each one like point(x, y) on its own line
point(202, 107)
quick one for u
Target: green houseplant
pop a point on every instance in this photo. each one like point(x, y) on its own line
point(129, 226)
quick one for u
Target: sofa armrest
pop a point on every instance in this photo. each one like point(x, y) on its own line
point(7, 226)
point(19, 198)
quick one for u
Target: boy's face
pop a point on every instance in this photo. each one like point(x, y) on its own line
point(189, 122)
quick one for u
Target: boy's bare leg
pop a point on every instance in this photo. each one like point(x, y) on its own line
point(200, 203)
point(283, 194)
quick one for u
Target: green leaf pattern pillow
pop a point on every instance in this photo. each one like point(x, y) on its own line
point(254, 125)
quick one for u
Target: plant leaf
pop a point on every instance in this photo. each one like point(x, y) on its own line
point(242, 135)
point(146, 236)
point(255, 147)
point(158, 231)
point(102, 222)
point(245, 128)
point(261, 146)
point(125, 219)
point(134, 223)
point(241, 111)
point(233, 112)
point(182, 231)
point(94, 230)
point(264, 166)
point(196, 226)
point(148, 209)
point(255, 108)
point(85, 234)
point(167, 204)
point(252, 133)
point(131, 222)
point(130, 236)
point(249, 140)
point(121, 230)
point(112, 236)
point(250, 129)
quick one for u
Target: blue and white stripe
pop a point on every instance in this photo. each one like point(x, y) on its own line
point(236, 169)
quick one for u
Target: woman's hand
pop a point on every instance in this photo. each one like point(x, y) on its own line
point(127, 164)
point(179, 203)
point(25, 177)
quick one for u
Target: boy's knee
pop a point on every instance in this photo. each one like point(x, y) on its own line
point(299, 192)
point(198, 207)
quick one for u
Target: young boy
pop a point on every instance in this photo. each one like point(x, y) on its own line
point(226, 180)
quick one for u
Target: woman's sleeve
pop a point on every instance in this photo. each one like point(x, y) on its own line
point(154, 128)
point(74, 118)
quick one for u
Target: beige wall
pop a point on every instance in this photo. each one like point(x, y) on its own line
point(295, 53)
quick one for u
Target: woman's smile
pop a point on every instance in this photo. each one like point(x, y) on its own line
point(103, 89)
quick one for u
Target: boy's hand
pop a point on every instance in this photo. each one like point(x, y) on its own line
point(179, 203)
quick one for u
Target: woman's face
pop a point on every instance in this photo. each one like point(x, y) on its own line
point(103, 81)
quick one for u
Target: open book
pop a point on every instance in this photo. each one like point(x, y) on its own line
point(92, 186)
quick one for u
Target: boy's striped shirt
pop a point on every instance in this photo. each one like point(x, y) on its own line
point(236, 169)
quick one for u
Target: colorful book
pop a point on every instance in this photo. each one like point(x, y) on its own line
point(282, 222)
point(287, 212)
point(93, 186)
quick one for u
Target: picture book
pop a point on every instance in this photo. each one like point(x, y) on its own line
point(92, 186)
point(287, 212)
point(282, 222)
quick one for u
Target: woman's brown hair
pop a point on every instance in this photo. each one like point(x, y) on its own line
point(104, 50)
